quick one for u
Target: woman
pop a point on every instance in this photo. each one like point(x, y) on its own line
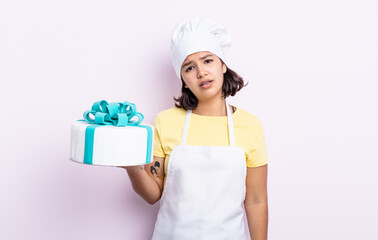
point(209, 157)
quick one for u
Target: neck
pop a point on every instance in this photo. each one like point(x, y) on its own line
point(216, 107)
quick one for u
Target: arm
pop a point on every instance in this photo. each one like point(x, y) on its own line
point(256, 202)
point(148, 181)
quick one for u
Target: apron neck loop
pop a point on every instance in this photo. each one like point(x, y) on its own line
point(230, 125)
point(186, 126)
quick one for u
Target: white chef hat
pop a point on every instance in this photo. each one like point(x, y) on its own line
point(198, 35)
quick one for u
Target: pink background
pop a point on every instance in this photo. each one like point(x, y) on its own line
point(312, 68)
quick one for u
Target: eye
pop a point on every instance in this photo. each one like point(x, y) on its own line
point(208, 60)
point(189, 68)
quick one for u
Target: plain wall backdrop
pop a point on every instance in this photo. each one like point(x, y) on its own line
point(312, 68)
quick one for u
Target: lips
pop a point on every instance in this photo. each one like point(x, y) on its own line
point(206, 83)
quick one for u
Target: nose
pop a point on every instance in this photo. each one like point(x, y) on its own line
point(201, 71)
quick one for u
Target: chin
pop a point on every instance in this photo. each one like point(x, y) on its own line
point(207, 97)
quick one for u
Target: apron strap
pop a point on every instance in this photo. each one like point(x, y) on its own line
point(230, 126)
point(186, 126)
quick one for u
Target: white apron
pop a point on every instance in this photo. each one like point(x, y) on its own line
point(204, 191)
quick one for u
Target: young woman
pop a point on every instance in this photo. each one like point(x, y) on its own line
point(209, 157)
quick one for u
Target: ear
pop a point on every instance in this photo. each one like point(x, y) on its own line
point(224, 67)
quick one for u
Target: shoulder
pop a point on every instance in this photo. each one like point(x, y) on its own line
point(249, 134)
point(245, 118)
point(169, 124)
point(173, 112)
point(170, 117)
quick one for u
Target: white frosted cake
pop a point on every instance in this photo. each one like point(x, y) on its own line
point(108, 137)
point(112, 146)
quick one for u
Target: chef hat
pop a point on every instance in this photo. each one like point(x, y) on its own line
point(198, 35)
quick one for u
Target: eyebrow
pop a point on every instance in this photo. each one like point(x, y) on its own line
point(188, 63)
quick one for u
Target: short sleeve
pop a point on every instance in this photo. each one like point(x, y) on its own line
point(158, 147)
point(257, 156)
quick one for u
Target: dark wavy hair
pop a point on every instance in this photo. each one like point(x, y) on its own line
point(232, 83)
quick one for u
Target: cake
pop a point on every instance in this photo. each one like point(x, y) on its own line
point(107, 136)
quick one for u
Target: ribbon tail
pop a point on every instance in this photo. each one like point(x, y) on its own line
point(89, 141)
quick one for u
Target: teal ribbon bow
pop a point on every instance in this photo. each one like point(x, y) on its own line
point(117, 114)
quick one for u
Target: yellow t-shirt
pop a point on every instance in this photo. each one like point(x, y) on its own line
point(210, 131)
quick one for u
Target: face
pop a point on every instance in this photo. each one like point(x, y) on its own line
point(202, 73)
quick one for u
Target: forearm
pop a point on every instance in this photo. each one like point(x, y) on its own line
point(143, 184)
point(257, 216)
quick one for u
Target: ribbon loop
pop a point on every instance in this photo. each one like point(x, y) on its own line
point(87, 117)
point(140, 119)
point(121, 121)
point(100, 106)
point(113, 109)
point(129, 109)
point(117, 114)
point(103, 118)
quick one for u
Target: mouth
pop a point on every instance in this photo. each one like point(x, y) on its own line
point(206, 84)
